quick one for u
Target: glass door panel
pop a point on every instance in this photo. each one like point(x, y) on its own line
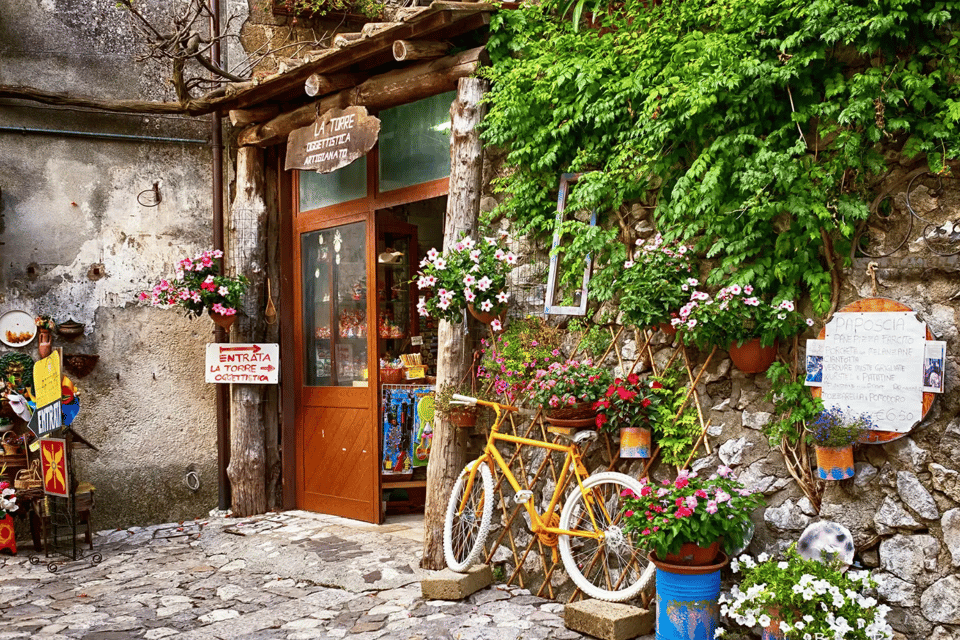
point(334, 285)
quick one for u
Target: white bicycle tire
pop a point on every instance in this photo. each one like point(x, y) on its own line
point(453, 531)
point(568, 522)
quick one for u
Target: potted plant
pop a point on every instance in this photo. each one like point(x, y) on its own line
point(796, 599)
point(469, 275)
point(627, 406)
point(741, 322)
point(655, 281)
point(834, 433)
point(200, 286)
point(459, 415)
point(684, 524)
point(8, 504)
point(568, 390)
point(510, 358)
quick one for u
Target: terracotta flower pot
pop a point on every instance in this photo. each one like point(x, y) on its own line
point(634, 442)
point(45, 343)
point(693, 555)
point(835, 463)
point(463, 417)
point(486, 317)
point(772, 630)
point(579, 415)
point(750, 357)
point(223, 321)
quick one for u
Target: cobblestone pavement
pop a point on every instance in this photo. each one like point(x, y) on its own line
point(291, 575)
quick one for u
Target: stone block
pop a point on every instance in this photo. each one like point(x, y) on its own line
point(607, 620)
point(450, 585)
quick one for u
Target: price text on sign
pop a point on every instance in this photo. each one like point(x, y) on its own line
point(243, 363)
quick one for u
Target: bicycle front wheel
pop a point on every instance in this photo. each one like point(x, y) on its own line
point(464, 532)
point(609, 567)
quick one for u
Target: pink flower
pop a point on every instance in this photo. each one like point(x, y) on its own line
point(724, 471)
point(627, 493)
point(700, 493)
point(683, 512)
point(495, 325)
point(692, 502)
point(711, 506)
point(627, 514)
point(223, 291)
point(646, 490)
point(721, 496)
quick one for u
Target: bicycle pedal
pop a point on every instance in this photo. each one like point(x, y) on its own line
point(523, 496)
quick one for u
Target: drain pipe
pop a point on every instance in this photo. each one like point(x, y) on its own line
point(223, 390)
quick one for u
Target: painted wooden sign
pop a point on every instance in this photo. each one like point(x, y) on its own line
point(53, 463)
point(336, 139)
point(243, 363)
point(877, 358)
point(47, 392)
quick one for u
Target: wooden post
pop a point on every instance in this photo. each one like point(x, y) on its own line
point(246, 245)
point(455, 355)
point(418, 49)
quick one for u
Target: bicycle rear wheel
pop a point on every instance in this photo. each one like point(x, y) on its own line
point(465, 532)
point(607, 568)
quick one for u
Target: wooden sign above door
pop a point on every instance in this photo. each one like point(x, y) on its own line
point(333, 141)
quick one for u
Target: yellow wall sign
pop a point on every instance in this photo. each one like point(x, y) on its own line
point(46, 379)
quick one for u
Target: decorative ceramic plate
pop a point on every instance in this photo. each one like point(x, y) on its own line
point(17, 329)
point(826, 540)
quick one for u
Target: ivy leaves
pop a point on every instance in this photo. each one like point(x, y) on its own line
point(755, 126)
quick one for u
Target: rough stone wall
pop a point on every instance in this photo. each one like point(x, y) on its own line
point(76, 243)
point(903, 505)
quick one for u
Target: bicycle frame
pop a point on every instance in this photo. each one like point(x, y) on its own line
point(572, 460)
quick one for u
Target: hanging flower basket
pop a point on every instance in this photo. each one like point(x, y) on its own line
point(463, 417)
point(750, 357)
point(223, 321)
point(579, 415)
point(487, 317)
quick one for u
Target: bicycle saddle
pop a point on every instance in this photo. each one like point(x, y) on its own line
point(585, 436)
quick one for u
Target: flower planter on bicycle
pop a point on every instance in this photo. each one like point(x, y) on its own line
point(597, 553)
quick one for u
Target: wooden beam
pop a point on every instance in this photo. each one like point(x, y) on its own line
point(243, 117)
point(344, 39)
point(419, 50)
point(319, 84)
point(379, 92)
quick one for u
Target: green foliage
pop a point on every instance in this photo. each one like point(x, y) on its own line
point(834, 428)
point(594, 338)
point(734, 315)
point(319, 8)
point(510, 359)
point(649, 284)
point(793, 406)
point(675, 438)
point(755, 125)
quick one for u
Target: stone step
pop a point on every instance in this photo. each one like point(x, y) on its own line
point(450, 585)
point(608, 620)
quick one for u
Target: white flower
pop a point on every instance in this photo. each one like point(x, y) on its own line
point(495, 325)
point(763, 557)
point(502, 297)
point(498, 254)
point(718, 632)
point(432, 254)
point(467, 243)
point(787, 304)
point(469, 280)
point(511, 259)
point(475, 255)
point(484, 283)
point(469, 295)
point(764, 620)
point(783, 567)
point(486, 305)
point(440, 263)
point(628, 264)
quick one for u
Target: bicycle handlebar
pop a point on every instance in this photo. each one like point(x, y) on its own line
point(474, 401)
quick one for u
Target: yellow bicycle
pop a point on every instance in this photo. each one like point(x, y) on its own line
point(598, 555)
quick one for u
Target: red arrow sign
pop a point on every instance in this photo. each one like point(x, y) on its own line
point(255, 348)
point(269, 367)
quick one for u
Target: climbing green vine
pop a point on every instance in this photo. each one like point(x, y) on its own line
point(755, 129)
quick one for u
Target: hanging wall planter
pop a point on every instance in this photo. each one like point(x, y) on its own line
point(580, 415)
point(634, 442)
point(835, 463)
point(487, 317)
point(462, 417)
point(750, 357)
point(223, 321)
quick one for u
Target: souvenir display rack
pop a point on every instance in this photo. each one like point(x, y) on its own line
point(62, 516)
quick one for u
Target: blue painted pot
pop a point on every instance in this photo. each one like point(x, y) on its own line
point(687, 600)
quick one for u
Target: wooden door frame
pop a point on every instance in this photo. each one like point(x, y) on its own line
point(293, 222)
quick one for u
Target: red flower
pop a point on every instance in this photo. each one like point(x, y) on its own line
point(700, 493)
point(656, 385)
point(627, 514)
point(683, 512)
point(645, 532)
point(645, 490)
point(678, 502)
point(601, 419)
point(633, 378)
point(624, 394)
point(681, 482)
point(645, 403)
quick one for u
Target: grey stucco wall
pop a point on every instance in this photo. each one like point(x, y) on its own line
point(75, 243)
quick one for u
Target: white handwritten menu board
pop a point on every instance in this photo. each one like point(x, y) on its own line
point(873, 363)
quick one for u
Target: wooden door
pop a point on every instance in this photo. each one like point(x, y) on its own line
point(336, 407)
